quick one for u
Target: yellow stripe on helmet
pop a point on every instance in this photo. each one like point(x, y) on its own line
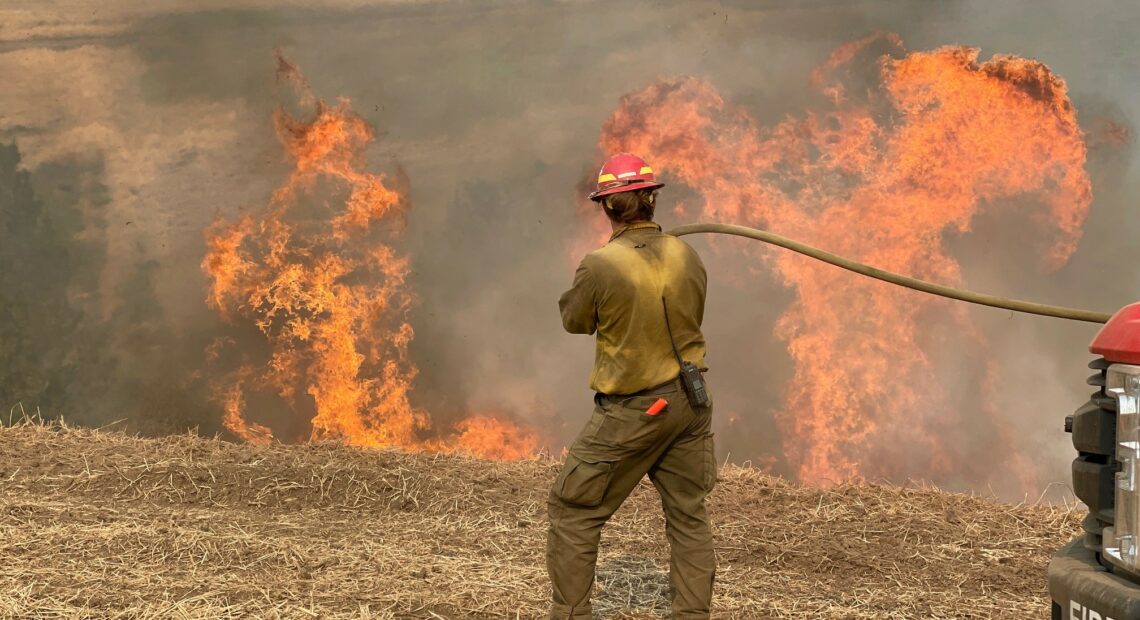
point(646, 170)
point(606, 177)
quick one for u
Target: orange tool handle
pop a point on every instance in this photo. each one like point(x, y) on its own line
point(657, 407)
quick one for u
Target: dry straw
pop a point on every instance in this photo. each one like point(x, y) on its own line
point(105, 525)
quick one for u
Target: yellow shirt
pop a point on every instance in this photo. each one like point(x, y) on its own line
point(617, 292)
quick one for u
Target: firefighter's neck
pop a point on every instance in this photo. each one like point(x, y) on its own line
point(616, 225)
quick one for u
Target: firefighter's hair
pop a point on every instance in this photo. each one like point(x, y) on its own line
point(626, 207)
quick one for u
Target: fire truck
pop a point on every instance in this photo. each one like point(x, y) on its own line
point(1097, 575)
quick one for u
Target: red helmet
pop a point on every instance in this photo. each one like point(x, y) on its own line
point(624, 173)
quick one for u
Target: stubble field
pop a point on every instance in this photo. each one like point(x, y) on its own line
point(101, 524)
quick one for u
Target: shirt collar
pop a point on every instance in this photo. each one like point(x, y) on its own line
point(635, 226)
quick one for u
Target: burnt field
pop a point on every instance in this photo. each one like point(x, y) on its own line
point(104, 524)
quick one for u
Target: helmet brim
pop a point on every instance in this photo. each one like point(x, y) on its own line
point(598, 195)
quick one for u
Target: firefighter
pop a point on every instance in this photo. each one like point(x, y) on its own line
point(643, 293)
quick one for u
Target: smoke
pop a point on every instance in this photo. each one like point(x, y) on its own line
point(127, 132)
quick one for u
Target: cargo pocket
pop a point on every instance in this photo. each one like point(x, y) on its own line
point(583, 482)
point(626, 427)
point(710, 463)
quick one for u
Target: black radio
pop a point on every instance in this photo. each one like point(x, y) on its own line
point(694, 382)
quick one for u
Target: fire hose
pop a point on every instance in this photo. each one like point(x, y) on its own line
point(1073, 314)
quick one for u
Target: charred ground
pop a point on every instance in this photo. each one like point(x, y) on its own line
point(104, 524)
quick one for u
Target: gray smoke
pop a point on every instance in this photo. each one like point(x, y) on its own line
point(127, 131)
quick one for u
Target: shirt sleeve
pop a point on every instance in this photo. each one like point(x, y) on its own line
point(579, 310)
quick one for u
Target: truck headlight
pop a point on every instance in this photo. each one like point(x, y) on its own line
point(1120, 541)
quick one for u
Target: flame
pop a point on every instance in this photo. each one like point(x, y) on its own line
point(880, 172)
point(314, 272)
point(488, 437)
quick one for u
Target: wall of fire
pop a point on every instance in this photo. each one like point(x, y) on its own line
point(128, 134)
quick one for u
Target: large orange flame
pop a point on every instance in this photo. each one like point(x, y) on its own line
point(315, 273)
point(902, 150)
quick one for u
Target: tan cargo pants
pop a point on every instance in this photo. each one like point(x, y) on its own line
point(620, 445)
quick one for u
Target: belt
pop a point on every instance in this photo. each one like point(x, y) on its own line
point(668, 387)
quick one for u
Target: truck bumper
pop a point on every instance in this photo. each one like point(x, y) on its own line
point(1082, 589)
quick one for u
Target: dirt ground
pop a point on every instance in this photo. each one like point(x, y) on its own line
point(105, 525)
